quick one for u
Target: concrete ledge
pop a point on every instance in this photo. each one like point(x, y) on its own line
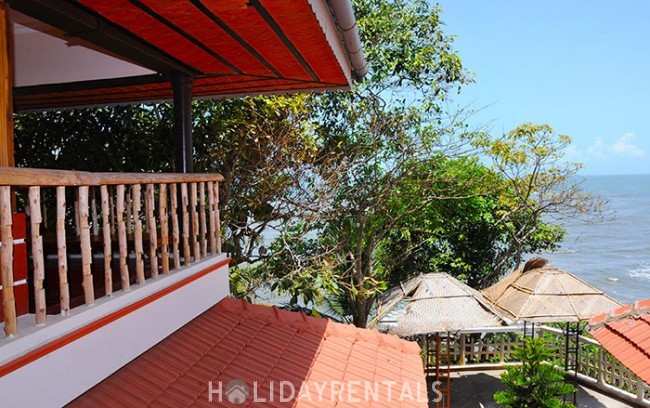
point(51, 373)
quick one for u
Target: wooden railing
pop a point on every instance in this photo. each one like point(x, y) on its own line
point(122, 218)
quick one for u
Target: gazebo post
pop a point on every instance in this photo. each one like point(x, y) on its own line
point(447, 403)
point(566, 346)
point(573, 397)
point(532, 329)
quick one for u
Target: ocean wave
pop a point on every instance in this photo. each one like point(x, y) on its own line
point(567, 251)
point(643, 271)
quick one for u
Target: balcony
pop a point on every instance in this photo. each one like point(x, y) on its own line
point(98, 267)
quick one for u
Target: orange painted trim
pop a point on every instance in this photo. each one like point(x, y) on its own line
point(99, 323)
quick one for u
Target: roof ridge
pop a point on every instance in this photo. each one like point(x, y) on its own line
point(636, 309)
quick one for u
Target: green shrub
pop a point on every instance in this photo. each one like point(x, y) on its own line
point(535, 383)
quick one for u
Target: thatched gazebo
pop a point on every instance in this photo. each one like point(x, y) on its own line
point(434, 306)
point(436, 302)
point(537, 293)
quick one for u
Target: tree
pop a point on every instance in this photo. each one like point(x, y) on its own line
point(118, 139)
point(376, 145)
point(512, 208)
point(536, 383)
point(259, 145)
point(538, 190)
point(457, 235)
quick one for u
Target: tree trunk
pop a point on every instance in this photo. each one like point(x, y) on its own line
point(360, 316)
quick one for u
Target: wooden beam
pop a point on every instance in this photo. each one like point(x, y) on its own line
point(6, 85)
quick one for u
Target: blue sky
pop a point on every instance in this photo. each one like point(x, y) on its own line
point(581, 66)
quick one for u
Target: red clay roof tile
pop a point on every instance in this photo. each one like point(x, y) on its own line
point(263, 346)
point(643, 304)
point(625, 333)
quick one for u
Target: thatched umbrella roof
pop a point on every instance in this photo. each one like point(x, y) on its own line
point(437, 302)
point(539, 294)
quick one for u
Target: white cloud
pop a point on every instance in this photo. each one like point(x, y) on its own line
point(597, 149)
point(623, 146)
point(573, 154)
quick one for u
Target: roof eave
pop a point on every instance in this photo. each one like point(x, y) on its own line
point(340, 27)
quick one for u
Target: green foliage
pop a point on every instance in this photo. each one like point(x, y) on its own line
point(259, 145)
point(255, 143)
point(364, 187)
point(538, 188)
point(535, 383)
point(118, 139)
point(495, 214)
point(455, 233)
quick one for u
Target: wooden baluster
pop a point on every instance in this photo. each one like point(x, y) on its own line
point(137, 206)
point(175, 229)
point(129, 213)
point(37, 253)
point(203, 228)
point(7, 255)
point(186, 225)
point(77, 225)
point(462, 349)
point(108, 249)
point(44, 210)
point(93, 212)
point(195, 222)
point(151, 227)
point(145, 225)
point(217, 216)
point(62, 251)
point(212, 220)
point(164, 227)
point(112, 205)
point(121, 232)
point(86, 249)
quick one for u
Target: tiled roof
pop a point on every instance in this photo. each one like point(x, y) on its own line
point(335, 364)
point(625, 333)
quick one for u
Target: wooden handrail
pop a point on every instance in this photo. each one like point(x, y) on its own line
point(130, 195)
point(16, 176)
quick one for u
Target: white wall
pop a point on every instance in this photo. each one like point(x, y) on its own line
point(64, 374)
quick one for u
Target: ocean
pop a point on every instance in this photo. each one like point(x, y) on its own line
point(614, 255)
